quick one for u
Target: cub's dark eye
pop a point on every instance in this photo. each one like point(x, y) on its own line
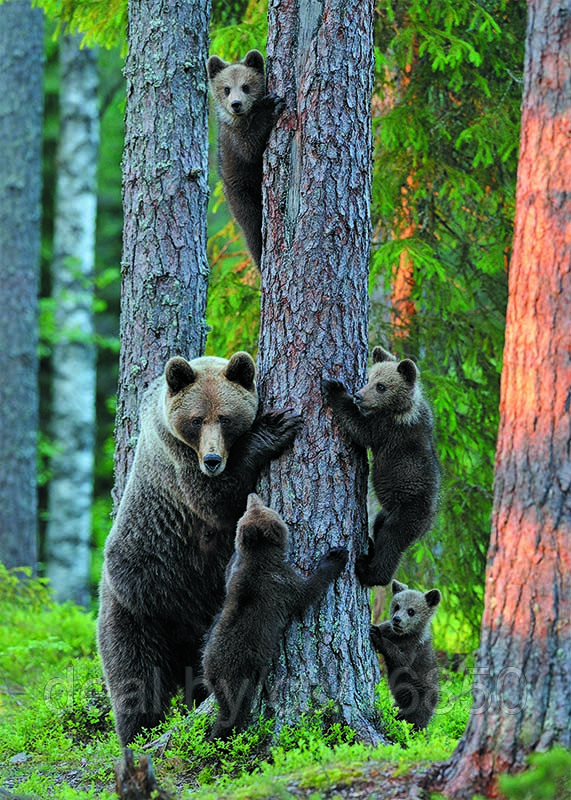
point(380, 387)
point(246, 88)
point(226, 90)
point(396, 608)
point(225, 421)
point(196, 422)
point(411, 612)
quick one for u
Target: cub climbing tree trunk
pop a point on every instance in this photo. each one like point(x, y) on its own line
point(314, 324)
point(165, 194)
point(522, 699)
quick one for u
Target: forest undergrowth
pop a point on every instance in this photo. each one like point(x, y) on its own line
point(57, 738)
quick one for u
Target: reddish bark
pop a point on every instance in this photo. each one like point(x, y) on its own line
point(523, 692)
point(403, 307)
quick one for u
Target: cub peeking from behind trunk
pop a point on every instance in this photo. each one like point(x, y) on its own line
point(406, 646)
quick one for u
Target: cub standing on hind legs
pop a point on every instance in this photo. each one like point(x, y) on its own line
point(406, 646)
point(246, 115)
point(263, 593)
point(391, 416)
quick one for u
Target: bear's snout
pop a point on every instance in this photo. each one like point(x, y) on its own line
point(237, 106)
point(212, 462)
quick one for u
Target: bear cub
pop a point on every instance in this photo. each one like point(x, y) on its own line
point(202, 444)
point(263, 593)
point(404, 642)
point(246, 115)
point(391, 416)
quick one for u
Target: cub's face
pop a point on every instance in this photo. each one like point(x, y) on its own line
point(411, 610)
point(236, 87)
point(392, 386)
point(260, 526)
point(209, 403)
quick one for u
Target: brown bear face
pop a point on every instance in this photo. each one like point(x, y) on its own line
point(411, 611)
point(392, 387)
point(209, 403)
point(236, 87)
point(260, 526)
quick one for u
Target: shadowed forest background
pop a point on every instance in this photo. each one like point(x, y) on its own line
point(446, 120)
point(446, 115)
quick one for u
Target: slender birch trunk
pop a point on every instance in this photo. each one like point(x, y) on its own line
point(70, 495)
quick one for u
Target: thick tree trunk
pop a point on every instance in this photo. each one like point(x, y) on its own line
point(314, 324)
point(21, 110)
point(523, 684)
point(165, 195)
point(74, 352)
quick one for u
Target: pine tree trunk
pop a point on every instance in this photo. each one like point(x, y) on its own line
point(74, 353)
point(522, 697)
point(165, 195)
point(314, 324)
point(21, 110)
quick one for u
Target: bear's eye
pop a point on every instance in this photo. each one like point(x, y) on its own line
point(397, 607)
point(246, 88)
point(225, 421)
point(226, 90)
point(411, 612)
point(380, 387)
point(196, 422)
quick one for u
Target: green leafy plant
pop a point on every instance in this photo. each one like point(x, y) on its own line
point(547, 778)
point(446, 133)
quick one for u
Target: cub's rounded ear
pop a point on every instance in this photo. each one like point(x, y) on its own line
point(179, 374)
point(433, 597)
point(255, 60)
point(408, 370)
point(214, 65)
point(253, 502)
point(398, 587)
point(241, 369)
point(380, 354)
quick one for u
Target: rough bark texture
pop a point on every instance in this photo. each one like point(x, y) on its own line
point(165, 194)
point(74, 353)
point(523, 685)
point(314, 324)
point(21, 108)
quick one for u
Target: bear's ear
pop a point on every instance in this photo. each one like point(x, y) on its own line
point(253, 502)
point(432, 598)
point(399, 587)
point(408, 370)
point(241, 369)
point(214, 65)
point(255, 60)
point(380, 354)
point(179, 374)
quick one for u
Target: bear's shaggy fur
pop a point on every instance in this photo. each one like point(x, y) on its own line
point(246, 115)
point(263, 593)
point(201, 447)
point(404, 642)
point(391, 416)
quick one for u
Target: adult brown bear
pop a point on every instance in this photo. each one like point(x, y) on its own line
point(200, 450)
